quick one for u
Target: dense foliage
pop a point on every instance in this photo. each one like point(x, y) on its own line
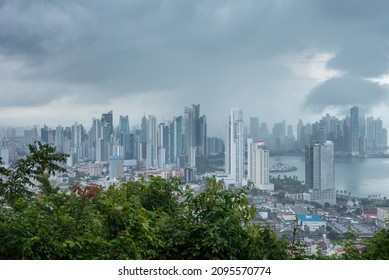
point(148, 219)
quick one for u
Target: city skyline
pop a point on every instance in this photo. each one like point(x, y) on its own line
point(62, 62)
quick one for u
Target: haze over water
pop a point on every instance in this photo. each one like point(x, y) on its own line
point(360, 176)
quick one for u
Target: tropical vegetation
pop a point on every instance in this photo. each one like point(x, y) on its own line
point(151, 218)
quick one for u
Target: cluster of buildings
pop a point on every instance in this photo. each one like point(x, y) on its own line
point(168, 145)
point(355, 135)
point(319, 231)
point(248, 160)
point(172, 149)
point(174, 146)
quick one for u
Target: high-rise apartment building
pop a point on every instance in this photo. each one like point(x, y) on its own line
point(261, 167)
point(59, 139)
point(151, 148)
point(354, 131)
point(234, 149)
point(320, 172)
point(116, 162)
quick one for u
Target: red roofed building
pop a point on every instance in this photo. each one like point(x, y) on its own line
point(370, 215)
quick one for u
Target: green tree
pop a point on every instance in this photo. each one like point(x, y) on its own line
point(378, 246)
point(32, 171)
point(216, 224)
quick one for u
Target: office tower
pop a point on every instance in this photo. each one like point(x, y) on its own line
point(124, 125)
point(320, 172)
point(263, 132)
point(202, 136)
point(190, 116)
point(249, 158)
point(354, 131)
point(176, 139)
point(59, 139)
point(279, 135)
point(376, 135)
point(143, 139)
point(95, 133)
point(151, 148)
point(261, 167)
point(163, 143)
point(45, 134)
point(107, 123)
point(106, 134)
point(290, 139)
point(166, 141)
point(309, 166)
point(116, 163)
point(124, 135)
point(76, 139)
point(134, 139)
point(195, 131)
point(255, 129)
point(234, 153)
point(30, 136)
point(300, 135)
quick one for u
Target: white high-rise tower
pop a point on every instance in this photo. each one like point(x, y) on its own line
point(258, 166)
point(234, 164)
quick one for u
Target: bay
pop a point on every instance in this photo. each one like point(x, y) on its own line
point(362, 177)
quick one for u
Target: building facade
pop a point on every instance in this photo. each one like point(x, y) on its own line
point(320, 172)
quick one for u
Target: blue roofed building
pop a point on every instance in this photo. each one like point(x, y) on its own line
point(310, 222)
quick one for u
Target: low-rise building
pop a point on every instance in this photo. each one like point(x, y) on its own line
point(383, 217)
point(311, 222)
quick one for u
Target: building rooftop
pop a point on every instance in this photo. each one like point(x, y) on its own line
point(309, 218)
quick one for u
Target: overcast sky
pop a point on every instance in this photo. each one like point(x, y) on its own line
point(68, 61)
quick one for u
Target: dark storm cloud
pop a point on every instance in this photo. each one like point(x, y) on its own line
point(345, 92)
point(366, 56)
point(215, 51)
point(361, 53)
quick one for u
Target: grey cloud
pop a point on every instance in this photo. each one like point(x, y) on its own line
point(365, 56)
point(214, 51)
point(343, 92)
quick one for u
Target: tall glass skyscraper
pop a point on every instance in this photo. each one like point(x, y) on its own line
point(354, 131)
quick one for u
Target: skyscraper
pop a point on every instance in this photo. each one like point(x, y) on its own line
point(143, 138)
point(76, 140)
point(261, 168)
point(177, 139)
point(124, 125)
point(354, 131)
point(320, 172)
point(107, 123)
point(254, 129)
point(124, 135)
point(195, 130)
point(234, 153)
point(116, 166)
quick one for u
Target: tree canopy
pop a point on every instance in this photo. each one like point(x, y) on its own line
point(152, 218)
